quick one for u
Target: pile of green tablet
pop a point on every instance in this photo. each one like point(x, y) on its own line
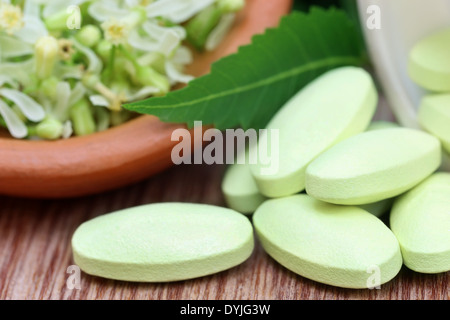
point(429, 67)
point(348, 167)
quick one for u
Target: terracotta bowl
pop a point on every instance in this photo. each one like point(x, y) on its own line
point(121, 155)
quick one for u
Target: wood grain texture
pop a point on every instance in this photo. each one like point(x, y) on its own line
point(35, 252)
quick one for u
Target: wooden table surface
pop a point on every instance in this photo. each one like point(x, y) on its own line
point(35, 252)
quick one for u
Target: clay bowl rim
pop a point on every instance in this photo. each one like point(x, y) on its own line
point(120, 155)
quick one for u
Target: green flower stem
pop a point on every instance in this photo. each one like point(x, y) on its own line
point(82, 119)
point(93, 82)
point(201, 26)
point(148, 76)
point(107, 74)
point(123, 69)
point(50, 129)
point(129, 56)
point(114, 99)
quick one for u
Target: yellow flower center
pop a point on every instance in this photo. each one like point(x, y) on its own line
point(115, 31)
point(145, 3)
point(10, 18)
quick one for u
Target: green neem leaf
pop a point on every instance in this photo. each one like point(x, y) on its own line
point(247, 88)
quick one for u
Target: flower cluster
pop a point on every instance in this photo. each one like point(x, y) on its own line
point(66, 67)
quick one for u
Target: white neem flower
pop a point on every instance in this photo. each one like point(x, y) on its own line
point(157, 38)
point(25, 25)
point(30, 108)
point(131, 24)
point(21, 29)
point(27, 106)
point(11, 18)
point(116, 31)
point(15, 126)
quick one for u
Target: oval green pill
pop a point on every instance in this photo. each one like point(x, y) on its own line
point(429, 62)
point(163, 242)
point(337, 245)
point(333, 107)
point(379, 208)
point(373, 166)
point(239, 188)
point(420, 219)
point(434, 117)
